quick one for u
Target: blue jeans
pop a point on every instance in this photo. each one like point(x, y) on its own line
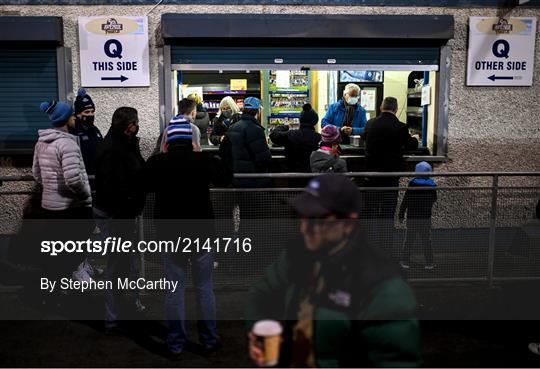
point(175, 270)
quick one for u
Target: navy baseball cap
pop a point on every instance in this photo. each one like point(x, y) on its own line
point(252, 103)
point(328, 194)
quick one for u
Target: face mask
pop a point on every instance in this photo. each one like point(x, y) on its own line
point(87, 120)
point(227, 113)
point(352, 100)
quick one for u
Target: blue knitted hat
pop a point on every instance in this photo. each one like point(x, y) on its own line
point(58, 112)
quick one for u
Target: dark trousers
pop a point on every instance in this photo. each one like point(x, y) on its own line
point(119, 265)
point(418, 229)
point(380, 211)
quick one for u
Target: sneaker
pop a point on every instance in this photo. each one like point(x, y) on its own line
point(139, 307)
point(213, 350)
point(404, 265)
point(81, 275)
point(534, 348)
point(92, 271)
point(429, 267)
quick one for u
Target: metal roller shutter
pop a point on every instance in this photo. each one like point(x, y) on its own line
point(27, 77)
point(406, 56)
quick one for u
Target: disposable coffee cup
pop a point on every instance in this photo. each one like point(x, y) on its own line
point(268, 334)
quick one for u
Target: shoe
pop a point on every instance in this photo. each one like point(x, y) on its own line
point(534, 348)
point(404, 265)
point(81, 275)
point(92, 271)
point(139, 307)
point(174, 355)
point(429, 267)
point(213, 350)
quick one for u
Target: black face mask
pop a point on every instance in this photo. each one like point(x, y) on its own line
point(87, 120)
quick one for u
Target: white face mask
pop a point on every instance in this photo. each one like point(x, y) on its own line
point(352, 100)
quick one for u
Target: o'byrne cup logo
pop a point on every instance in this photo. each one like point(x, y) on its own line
point(502, 26)
point(112, 26)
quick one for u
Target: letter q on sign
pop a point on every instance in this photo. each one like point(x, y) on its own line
point(113, 52)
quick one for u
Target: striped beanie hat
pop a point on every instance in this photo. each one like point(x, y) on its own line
point(179, 131)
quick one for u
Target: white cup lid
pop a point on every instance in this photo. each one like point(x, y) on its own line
point(267, 328)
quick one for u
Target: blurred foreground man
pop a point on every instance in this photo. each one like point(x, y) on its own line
point(341, 302)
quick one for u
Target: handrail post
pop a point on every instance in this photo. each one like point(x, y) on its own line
point(492, 228)
point(140, 233)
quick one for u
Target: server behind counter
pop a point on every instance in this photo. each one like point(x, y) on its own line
point(347, 114)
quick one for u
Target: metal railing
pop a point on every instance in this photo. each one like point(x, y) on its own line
point(483, 225)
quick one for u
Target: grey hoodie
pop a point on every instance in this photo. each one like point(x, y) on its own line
point(59, 167)
point(322, 161)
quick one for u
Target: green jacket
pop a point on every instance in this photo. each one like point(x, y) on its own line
point(363, 317)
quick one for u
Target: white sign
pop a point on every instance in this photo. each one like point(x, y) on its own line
point(114, 51)
point(283, 79)
point(426, 95)
point(501, 51)
point(188, 90)
point(367, 99)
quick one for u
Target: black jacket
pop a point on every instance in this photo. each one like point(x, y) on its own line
point(220, 126)
point(245, 150)
point(89, 139)
point(119, 166)
point(419, 203)
point(299, 144)
point(180, 179)
point(386, 140)
point(202, 120)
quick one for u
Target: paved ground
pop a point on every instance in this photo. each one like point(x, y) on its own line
point(446, 343)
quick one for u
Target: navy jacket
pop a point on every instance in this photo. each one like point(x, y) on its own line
point(89, 139)
point(245, 150)
point(418, 203)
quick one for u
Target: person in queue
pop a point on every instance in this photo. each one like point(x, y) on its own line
point(299, 143)
point(326, 159)
point(162, 144)
point(58, 166)
point(228, 114)
point(347, 114)
point(89, 135)
point(418, 205)
point(189, 200)
point(386, 140)
point(202, 119)
point(342, 303)
point(120, 199)
point(244, 146)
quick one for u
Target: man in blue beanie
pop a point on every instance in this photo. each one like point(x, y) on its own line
point(89, 135)
point(418, 203)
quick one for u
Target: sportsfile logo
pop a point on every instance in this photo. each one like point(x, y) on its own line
point(502, 26)
point(112, 26)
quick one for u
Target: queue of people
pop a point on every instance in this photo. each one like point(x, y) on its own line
point(328, 270)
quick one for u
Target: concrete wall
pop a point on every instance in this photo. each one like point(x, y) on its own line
point(490, 129)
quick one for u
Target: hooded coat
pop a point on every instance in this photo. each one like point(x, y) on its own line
point(322, 161)
point(59, 167)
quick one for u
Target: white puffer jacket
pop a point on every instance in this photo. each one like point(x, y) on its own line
point(59, 167)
